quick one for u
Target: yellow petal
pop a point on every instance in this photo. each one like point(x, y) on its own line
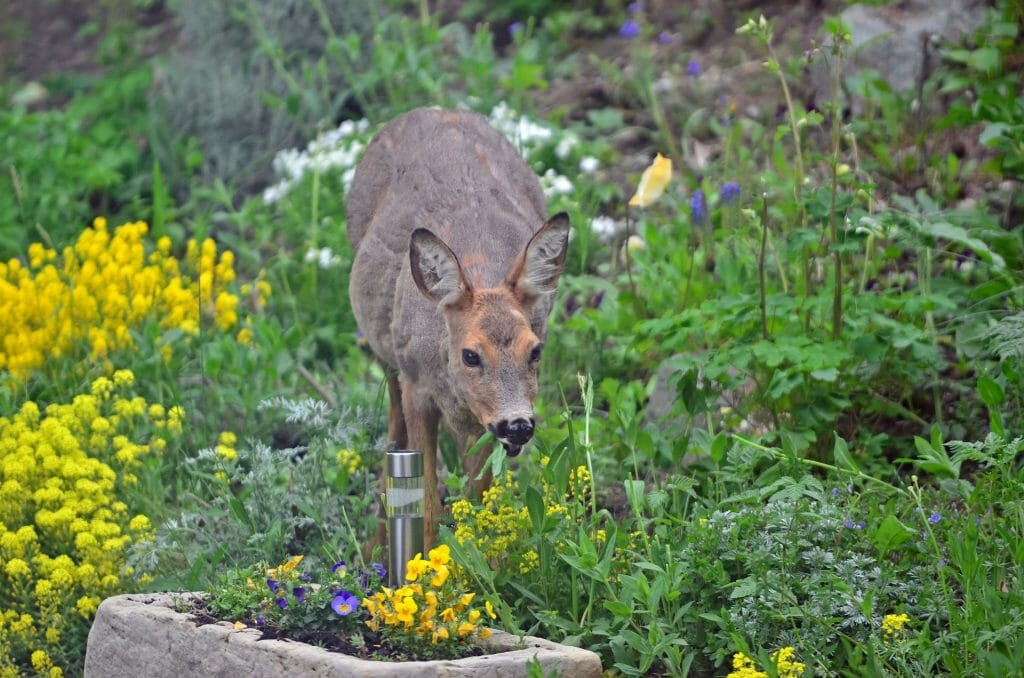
point(652, 182)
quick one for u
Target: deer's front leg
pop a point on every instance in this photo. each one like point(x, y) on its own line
point(421, 420)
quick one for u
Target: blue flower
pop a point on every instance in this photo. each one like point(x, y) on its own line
point(630, 29)
point(515, 29)
point(260, 621)
point(730, 194)
point(697, 208)
point(664, 38)
point(339, 567)
point(344, 603)
point(835, 490)
point(299, 592)
point(281, 603)
point(850, 525)
point(935, 517)
point(272, 585)
point(693, 68)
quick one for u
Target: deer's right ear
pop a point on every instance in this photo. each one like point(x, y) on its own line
point(436, 269)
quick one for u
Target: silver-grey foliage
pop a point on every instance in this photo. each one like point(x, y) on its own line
point(237, 57)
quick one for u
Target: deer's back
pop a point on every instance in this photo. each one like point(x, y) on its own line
point(432, 168)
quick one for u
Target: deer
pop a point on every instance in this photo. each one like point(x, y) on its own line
point(455, 268)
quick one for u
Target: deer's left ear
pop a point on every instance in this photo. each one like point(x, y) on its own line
point(537, 268)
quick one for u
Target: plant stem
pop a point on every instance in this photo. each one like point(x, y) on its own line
point(837, 294)
point(760, 266)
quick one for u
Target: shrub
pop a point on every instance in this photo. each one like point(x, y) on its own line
point(94, 297)
point(64, 529)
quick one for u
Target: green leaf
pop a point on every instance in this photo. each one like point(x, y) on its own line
point(535, 505)
point(841, 453)
point(990, 391)
point(744, 588)
point(890, 534)
point(618, 608)
point(984, 59)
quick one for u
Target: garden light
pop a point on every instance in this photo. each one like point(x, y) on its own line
point(403, 501)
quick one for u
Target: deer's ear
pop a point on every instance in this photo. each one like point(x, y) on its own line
point(538, 267)
point(436, 269)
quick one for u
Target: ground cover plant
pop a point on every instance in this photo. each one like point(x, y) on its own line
point(782, 394)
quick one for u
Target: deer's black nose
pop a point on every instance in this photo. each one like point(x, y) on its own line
point(518, 432)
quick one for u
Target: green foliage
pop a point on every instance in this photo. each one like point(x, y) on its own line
point(64, 166)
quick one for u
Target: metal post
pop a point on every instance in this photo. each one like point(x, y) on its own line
point(403, 501)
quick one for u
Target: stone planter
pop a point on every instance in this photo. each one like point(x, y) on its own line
point(143, 635)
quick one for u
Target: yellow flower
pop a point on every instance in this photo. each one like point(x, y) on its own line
point(438, 580)
point(893, 624)
point(464, 629)
point(416, 567)
point(440, 633)
point(490, 610)
point(652, 182)
point(440, 556)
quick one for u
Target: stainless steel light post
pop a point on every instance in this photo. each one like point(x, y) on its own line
point(403, 500)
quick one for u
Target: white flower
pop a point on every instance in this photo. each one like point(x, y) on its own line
point(323, 257)
point(603, 227)
point(565, 146)
point(555, 184)
point(589, 164)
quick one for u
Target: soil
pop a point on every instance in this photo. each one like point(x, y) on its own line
point(370, 646)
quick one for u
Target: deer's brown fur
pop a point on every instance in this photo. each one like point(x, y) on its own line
point(453, 254)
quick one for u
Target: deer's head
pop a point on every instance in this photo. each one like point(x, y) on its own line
point(495, 345)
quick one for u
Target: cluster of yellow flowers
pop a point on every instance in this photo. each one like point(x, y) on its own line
point(893, 624)
point(783, 660)
point(350, 460)
point(63, 532)
point(437, 610)
point(498, 528)
point(91, 296)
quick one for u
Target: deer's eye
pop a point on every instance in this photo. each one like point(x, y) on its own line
point(535, 353)
point(470, 358)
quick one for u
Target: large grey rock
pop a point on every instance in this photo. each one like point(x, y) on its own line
point(892, 39)
point(142, 635)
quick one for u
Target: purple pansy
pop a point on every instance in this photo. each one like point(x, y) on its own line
point(299, 592)
point(344, 603)
point(630, 29)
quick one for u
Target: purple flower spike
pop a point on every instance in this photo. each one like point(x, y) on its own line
point(935, 517)
point(693, 69)
point(730, 194)
point(571, 304)
point(344, 603)
point(299, 592)
point(697, 207)
point(630, 29)
point(380, 570)
point(595, 301)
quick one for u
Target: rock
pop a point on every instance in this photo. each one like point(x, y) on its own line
point(143, 635)
point(892, 40)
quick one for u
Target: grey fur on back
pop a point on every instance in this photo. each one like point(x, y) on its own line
point(449, 172)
